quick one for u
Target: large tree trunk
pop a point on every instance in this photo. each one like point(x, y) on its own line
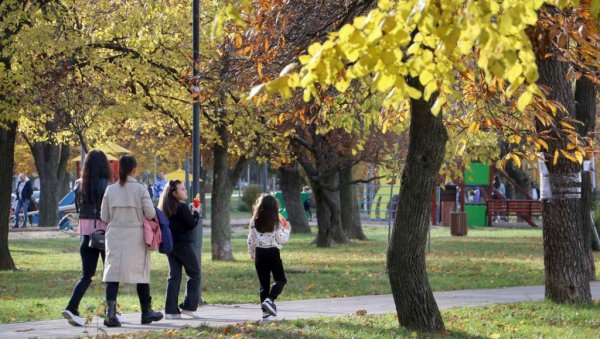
point(349, 205)
point(51, 161)
point(224, 179)
point(222, 189)
point(585, 111)
point(415, 305)
point(328, 212)
point(7, 149)
point(291, 188)
point(567, 279)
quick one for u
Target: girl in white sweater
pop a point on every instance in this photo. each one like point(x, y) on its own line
point(268, 232)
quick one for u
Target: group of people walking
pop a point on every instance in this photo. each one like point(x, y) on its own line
point(119, 210)
point(24, 193)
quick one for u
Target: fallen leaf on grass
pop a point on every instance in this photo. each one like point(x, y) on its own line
point(495, 336)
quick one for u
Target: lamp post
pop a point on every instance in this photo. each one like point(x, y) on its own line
point(197, 244)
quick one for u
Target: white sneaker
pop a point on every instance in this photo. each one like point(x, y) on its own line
point(73, 319)
point(189, 313)
point(266, 317)
point(172, 316)
point(269, 306)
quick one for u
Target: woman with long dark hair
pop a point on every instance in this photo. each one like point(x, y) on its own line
point(124, 207)
point(182, 222)
point(89, 190)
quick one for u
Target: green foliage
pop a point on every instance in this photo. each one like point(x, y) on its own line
point(251, 194)
point(437, 43)
point(244, 208)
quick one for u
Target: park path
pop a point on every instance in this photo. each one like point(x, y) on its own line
point(220, 315)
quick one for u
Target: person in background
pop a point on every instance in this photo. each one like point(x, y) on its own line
point(306, 203)
point(499, 186)
point(268, 232)
point(471, 196)
point(501, 194)
point(159, 185)
point(477, 196)
point(24, 192)
point(89, 191)
point(124, 207)
point(182, 222)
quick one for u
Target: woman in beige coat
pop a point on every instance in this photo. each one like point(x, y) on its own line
point(124, 207)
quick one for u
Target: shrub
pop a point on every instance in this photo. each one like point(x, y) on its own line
point(251, 193)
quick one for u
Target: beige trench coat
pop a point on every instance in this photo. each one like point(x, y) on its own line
point(127, 255)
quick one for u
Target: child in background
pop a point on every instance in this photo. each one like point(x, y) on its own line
point(268, 232)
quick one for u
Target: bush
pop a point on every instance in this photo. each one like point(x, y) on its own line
point(251, 193)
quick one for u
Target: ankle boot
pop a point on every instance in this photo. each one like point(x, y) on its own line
point(111, 319)
point(148, 315)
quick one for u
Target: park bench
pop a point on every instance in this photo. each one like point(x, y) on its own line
point(524, 209)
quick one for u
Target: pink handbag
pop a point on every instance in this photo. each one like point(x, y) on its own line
point(152, 234)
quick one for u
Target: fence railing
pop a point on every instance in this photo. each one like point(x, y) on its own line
point(377, 202)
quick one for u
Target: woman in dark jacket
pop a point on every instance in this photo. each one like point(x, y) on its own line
point(182, 222)
point(89, 191)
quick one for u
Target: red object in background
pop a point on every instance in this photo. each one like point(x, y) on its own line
point(197, 201)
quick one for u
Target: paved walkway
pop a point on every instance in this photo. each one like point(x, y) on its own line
point(218, 315)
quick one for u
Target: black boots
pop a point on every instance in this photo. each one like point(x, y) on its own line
point(148, 315)
point(111, 319)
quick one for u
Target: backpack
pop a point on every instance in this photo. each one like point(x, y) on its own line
point(166, 246)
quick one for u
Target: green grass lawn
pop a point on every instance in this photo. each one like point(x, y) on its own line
point(234, 207)
point(527, 320)
point(49, 268)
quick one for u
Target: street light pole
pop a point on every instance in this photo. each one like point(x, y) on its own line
point(196, 106)
point(197, 234)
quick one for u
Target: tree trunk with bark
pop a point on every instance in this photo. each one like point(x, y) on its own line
point(51, 161)
point(351, 223)
point(328, 213)
point(415, 304)
point(291, 188)
point(567, 278)
point(325, 184)
point(8, 137)
point(223, 185)
point(585, 111)
point(222, 189)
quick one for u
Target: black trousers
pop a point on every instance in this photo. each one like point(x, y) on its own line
point(183, 255)
point(268, 261)
point(89, 262)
